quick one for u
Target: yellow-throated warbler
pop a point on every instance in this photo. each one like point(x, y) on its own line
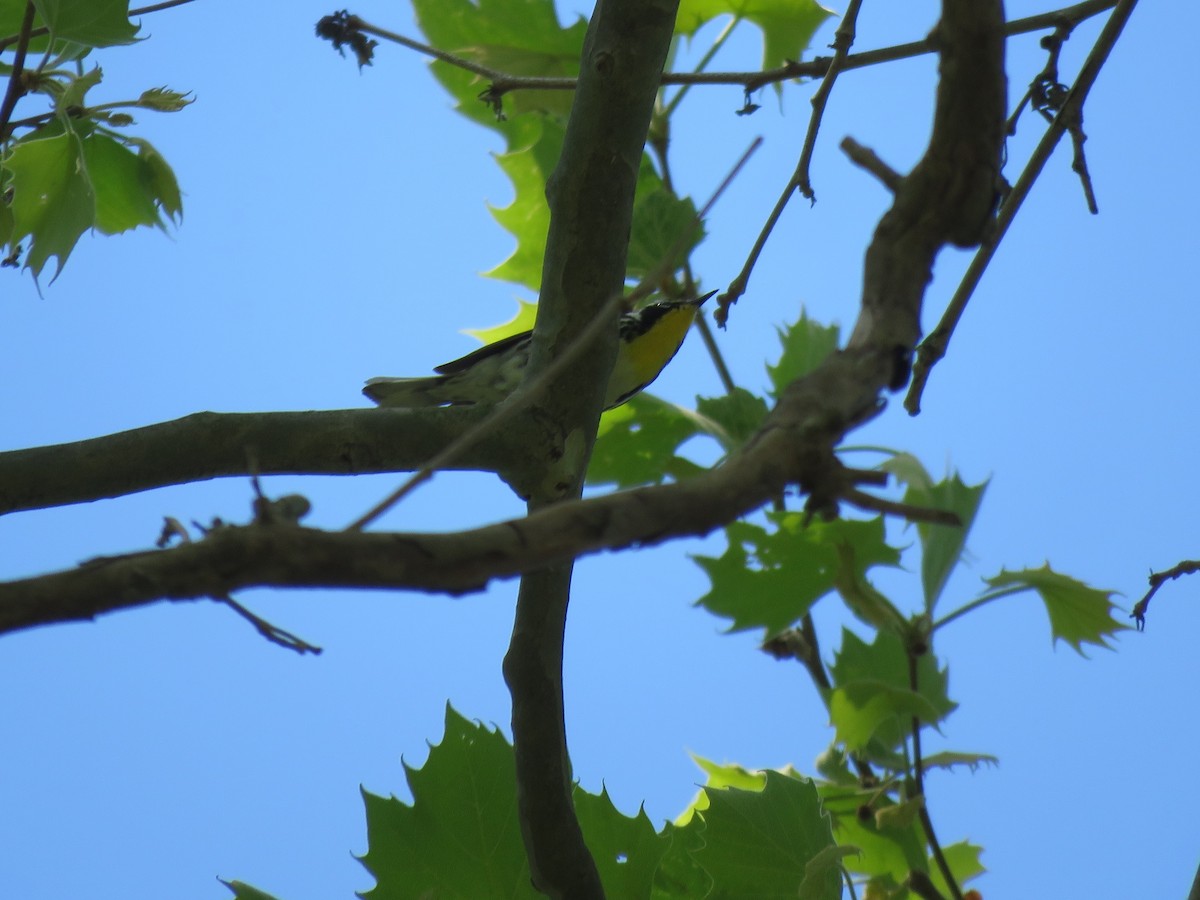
point(650, 338)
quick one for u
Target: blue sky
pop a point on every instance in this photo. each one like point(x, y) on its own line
point(335, 225)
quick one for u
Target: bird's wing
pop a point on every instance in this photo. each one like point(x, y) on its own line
point(496, 347)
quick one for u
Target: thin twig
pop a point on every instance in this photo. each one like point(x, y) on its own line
point(547, 376)
point(1157, 580)
point(749, 81)
point(862, 500)
point(933, 348)
point(868, 159)
point(919, 780)
point(272, 633)
point(16, 80)
point(799, 180)
point(843, 40)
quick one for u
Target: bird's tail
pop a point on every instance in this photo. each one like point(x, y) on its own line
point(406, 392)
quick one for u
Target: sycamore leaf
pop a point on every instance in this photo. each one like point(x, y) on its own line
point(53, 201)
point(760, 843)
point(663, 226)
point(942, 545)
point(770, 578)
point(963, 859)
point(74, 92)
point(243, 891)
point(159, 179)
point(872, 697)
point(787, 25)
point(908, 470)
point(535, 144)
point(96, 23)
point(739, 414)
point(460, 837)
point(627, 850)
point(638, 442)
point(678, 874)
point(123, 183)
point(805, 346)
point(948, 759)
point(519, 37)
point(720, 776)
point(891, 852)
point(1078, 614)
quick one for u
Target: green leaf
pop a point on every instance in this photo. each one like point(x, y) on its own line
point(160, 179)
point(948, 759)
point(75, 90)
point(963, 859)
point(872, 697)
point(53, 202)
point(1078, 614)
point(96, 23)
point(805, 346)
point(770, 579)
point(243, 891)
point(627, 850)
point(739, 414)
point(679, 875)
point(519, 37)
point(123, 184)
point(637, 442)
point(760, 843)
point(528, 163)
point(787, 25)
point(888, 852)
point(908, 470)
point(663, 224)
point(460, 838)
point(720, 776)
point(942, 545)
point(162, 99)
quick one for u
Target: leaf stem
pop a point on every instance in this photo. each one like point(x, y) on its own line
point(979, 601)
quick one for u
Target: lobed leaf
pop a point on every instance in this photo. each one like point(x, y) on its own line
point(1078, 614)
point(760, 843)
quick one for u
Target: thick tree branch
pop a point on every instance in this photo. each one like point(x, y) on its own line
point(590, 196)
point(794, 446)
point(213, 445)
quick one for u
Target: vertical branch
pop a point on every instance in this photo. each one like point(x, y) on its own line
point(591, 210)
point(16, 79)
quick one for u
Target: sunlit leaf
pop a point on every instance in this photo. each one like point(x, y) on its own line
point(759, 843)
point(770, 578)
point(740, 414)
point(787, 25)
point(53, 202)
point(942, 545)
point(460, 837)
point(638, 442)
point(873, 697)
point(805, 346)
point(1078, 614)
point(96, 23)
point(627, 850)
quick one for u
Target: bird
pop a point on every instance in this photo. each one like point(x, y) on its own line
point(650, 337)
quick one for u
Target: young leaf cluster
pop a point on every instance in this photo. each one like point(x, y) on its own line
point(67, 161)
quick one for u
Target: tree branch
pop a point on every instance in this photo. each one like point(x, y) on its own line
point(214, 445)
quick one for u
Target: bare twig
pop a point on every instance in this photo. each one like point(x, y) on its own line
point(272, 633)
point(862, 500)
point(866, 158)
point(1157, 580)
point(933, 348)
point(843, 40)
